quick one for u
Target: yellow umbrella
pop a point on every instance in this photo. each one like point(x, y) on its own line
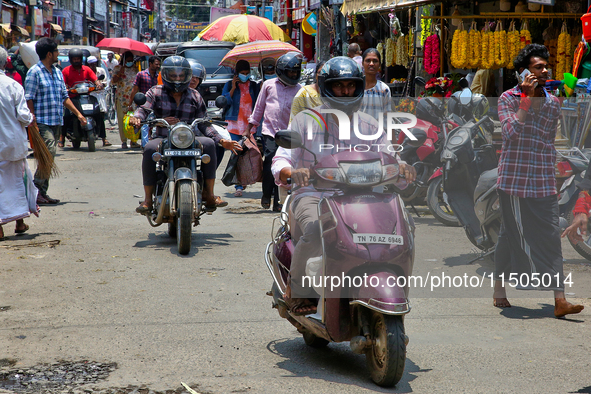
point(241, 29)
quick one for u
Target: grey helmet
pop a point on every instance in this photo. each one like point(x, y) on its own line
point(337, 69)
point(198, 71)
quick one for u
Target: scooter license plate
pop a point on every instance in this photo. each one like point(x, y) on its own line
point(211, 103)
point(181, 152)
point(87, 107)
point(386, 239)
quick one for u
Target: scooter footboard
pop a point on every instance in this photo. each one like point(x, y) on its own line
point(383, 291)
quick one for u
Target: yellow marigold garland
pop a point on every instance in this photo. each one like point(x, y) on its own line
point(561, 54)
point(475, 46)
point(459, 48)
point(500, 47)
point(488, 59)
point(411, 40)
point(513, 39)
point(390, 52)
point(380, 49)
point(401, 52)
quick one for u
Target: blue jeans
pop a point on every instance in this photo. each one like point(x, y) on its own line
point(236, 137)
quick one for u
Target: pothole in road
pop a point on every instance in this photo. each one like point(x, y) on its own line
point(66, 377)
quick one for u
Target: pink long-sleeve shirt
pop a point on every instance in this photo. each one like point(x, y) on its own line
point(273, 106)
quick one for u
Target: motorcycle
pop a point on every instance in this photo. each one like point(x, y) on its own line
point(363, 232)
point(574, 165)
point(470, 179)
point(89, 107)
point(178, 192)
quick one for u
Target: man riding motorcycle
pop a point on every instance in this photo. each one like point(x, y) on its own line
point(75, 73)
point(341, 84)
point(175, 98)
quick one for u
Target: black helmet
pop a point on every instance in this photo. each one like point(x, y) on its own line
point(75, 52)
point(267, 64)
point(341, 69)
point(291, 61)
point(176, 73)
point(425, 112)
point(198, 71)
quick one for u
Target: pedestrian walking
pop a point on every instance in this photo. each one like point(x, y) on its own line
point(123, 78)
point(242, 95)
point(111, 62)
point(18, 194)
point(46, 95)
point(354, 52)
point(377, 96)
point(273, 107)
point(144, 80)
point(11, 72)
point(308, 96)
point(529, 241)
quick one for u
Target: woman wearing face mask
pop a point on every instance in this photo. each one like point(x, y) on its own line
point(241, 94)
point(123, 77)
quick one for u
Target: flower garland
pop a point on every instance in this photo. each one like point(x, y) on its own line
point(426, 24)
point(401, 51)
point(488, 59)
point(513, 38)
point(390, 52)
point(459, 48)
point(524, 36)
point(380, 49)
point(411, 44)
point(431, 61)
point(500, 46)
point(564, 45)
point(475, 47)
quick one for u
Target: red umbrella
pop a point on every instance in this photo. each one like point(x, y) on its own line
point(124, 44)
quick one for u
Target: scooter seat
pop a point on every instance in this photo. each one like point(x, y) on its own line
point(487, 180)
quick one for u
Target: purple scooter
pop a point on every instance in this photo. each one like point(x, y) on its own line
point(366, 236)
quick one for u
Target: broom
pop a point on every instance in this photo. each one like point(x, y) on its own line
point(45, 163)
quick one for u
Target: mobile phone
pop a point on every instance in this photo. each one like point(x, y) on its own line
point(525, 73)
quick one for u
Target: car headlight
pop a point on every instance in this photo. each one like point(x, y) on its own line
point(368, 173)
point(182, 136)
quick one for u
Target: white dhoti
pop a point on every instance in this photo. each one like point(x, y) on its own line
point(18, 194)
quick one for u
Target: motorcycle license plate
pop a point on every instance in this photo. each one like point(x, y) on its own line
point(211, 103)
point(87, 107)
point(386, 239)
point(181, 152)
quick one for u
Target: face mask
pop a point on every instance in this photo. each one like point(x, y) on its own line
point(270, 76)
point(243, 78)
point(129, 64)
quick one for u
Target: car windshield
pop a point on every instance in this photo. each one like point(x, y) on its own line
point(210, 58)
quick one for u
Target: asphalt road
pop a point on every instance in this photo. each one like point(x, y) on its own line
point(114, 290)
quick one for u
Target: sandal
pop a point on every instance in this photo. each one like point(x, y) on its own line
point(265, 203)
point(106, 143)
point(219, 203)
point(143, 209)
point(60, 144)
point(238, 193)
point(23, 230)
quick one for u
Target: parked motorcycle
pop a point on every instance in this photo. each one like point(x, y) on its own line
point(470, 179)
point(574, 165)
point(89, 107)
point(363, 232)
point(177, 196)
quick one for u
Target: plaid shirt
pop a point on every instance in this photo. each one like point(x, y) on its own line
point(526, 167)
point(376, 100)
point(164, 105)
point(48, 92)
point(299, 158)
point(144, 81)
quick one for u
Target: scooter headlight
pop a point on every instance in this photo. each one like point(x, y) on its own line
point(369, 173)
point(182, 136)
point(82, 90)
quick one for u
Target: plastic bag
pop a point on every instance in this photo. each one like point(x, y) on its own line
point(130, 131)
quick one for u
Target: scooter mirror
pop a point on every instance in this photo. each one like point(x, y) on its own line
point(289, 139)
point(420, 81)
point(221, 102)
point(101, 77)
point(463, 83)
point(139, 99)
point(466, 96)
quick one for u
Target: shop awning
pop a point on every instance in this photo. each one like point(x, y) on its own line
point(5, 28)
point(19, 3)
point(357, 6)
point(19, 29)
point(56, 27)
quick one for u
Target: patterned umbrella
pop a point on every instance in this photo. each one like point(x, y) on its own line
point(254, 52)
point(241, 29)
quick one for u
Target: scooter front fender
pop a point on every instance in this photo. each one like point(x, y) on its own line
point(381, 291)
point(436, 174)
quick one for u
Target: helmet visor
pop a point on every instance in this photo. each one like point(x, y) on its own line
point(176, 75)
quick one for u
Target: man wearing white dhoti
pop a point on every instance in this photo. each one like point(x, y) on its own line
point(18, 194)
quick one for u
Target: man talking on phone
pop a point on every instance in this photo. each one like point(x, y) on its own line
point(529, 244)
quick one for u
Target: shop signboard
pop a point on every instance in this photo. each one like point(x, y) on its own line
point(6, 16)
point(193, 26)
point(282, 13)
point(38, 22)
point(64, 19)
point(216, 13)
point(77, 23)
point(268, 12)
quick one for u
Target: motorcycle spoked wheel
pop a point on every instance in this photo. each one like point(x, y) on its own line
point(438, 205)
point(582, 248)
point(387, 354)
point(184, 218)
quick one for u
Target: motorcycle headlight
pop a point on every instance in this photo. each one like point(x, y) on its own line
point(363, 173)
point(182, 136)
point(82, 90)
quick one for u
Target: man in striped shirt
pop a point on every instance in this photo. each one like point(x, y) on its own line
point(46, 95)
point(529, 242)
